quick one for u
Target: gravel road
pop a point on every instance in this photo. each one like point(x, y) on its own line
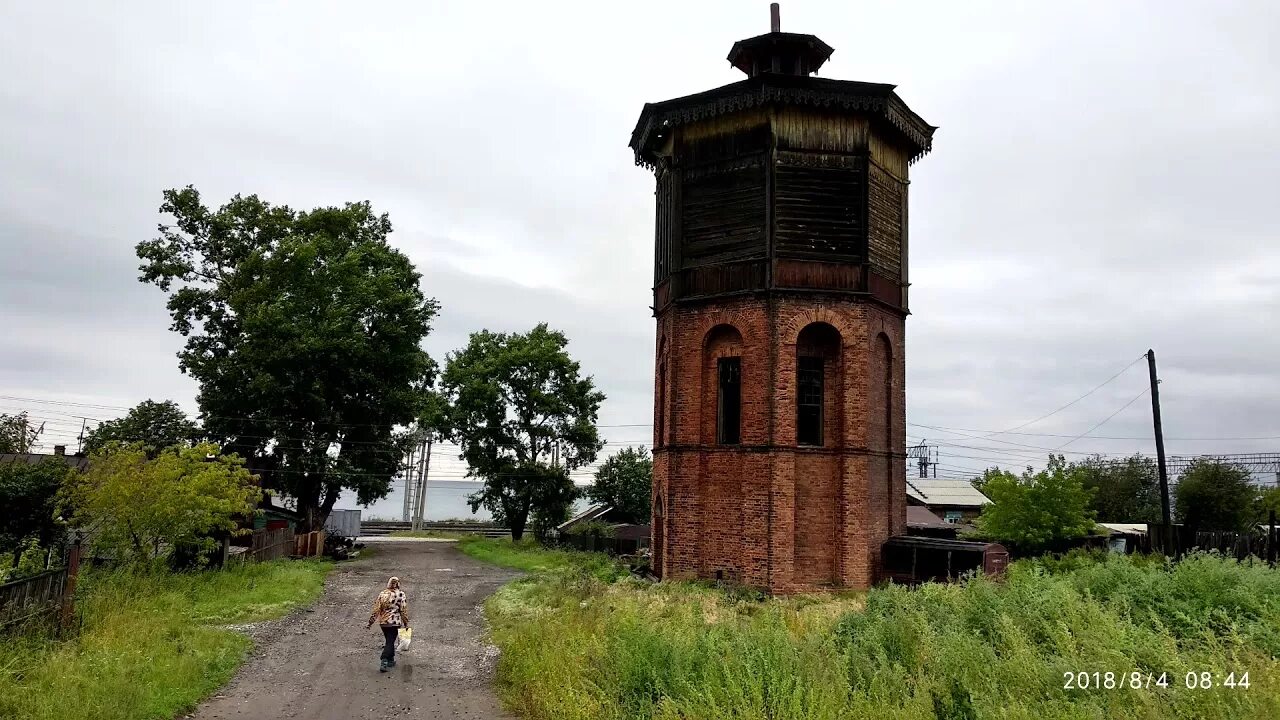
point(322, 664)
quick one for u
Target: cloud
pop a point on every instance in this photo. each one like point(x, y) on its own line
point(1101, 183)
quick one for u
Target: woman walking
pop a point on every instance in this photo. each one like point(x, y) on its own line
point(391, 611)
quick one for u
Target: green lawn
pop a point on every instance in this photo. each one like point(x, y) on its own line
point(579, 641)
point(150, 647)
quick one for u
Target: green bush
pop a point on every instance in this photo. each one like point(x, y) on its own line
point(580, 644)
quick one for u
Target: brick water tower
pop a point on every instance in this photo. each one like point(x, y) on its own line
point(780, 291)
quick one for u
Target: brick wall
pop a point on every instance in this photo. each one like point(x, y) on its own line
point(767, 512)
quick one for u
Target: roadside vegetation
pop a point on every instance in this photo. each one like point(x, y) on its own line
point(151, 643)
point(580, 638)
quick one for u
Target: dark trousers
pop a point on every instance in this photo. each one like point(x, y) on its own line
point(389, 649)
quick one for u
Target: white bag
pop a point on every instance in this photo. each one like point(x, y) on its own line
point(404, 637)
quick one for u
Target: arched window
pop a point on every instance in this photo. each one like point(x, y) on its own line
point(723, 377)
point(817, 358)
point(660, 422)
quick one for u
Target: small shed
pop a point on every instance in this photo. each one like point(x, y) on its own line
point(914, 560)
point(272, 517)
point(343, 523)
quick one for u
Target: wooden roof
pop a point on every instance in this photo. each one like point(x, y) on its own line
point(877, 99)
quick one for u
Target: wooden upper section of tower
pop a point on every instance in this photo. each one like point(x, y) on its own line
point(782, 182)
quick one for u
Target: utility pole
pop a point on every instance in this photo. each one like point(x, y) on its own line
point(420, 503)
point(1165, 518)
point(80, 443)
point(405, 514)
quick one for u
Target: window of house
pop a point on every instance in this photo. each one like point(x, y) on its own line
point(809, 374)
point(729, 410)
point(954, 516)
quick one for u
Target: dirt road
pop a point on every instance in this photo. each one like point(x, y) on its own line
point(323, 664)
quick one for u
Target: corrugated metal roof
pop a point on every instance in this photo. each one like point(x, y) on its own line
point(594, 512)
point(945, 491)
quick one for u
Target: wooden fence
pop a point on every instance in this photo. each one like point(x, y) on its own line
point(279, 543)
point(270, 545)
point(1232, 544)
point(23, 600)
point(309, 544)
point(43, 599)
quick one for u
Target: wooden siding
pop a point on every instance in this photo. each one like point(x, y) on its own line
point(722, 211)
point(664, 225)
point(818, 205)
point(885, 205)
point(717, 279)
point(817, 275)
point(804, 129)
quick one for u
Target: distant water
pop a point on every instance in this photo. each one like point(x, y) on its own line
point(446, 500)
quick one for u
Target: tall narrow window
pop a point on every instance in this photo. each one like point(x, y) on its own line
point(729, 410)
point(809, 400)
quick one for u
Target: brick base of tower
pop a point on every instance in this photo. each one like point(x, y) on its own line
point(768, 512)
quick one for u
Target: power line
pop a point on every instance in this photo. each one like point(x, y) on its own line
point(1073, 402)
point(1105, 420)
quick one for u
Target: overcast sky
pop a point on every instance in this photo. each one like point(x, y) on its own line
point(1104, 180)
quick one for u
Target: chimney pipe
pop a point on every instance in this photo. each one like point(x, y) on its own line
point(59, 449)
point(775, 21)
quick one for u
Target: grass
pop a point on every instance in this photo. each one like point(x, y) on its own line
point(529, 556)
point(150, 646)
point(580, 642)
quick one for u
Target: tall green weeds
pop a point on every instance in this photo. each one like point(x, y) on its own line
point(150, 646)
point(578, 643)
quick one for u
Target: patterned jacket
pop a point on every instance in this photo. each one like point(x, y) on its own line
point(391, 608)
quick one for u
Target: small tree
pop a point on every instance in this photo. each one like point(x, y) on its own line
point(17, 434)
point(991, 474)
point(154, 425)
point(179, 499)
point(1128, 491)
point(1217, 496)
point(524, 418)
point(28, 495)
point(1038, 510)
point(625, 483)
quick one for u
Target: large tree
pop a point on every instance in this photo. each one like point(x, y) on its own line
point(28, 494)
point(1038, 511)
point(625, 483)
point(524, 418)
point(1212, 495)
point(304, 331)
point(17, 434)
point(1124, 492)
point(155, 425)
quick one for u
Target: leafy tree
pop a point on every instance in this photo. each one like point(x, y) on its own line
point(1039, 510)
point(156, 425)
point(180, 498)
point(991, 474)
point(625, 483)
point(1216, 496)
point(28, 494)
point(1269, 500)
point(304, 331)
point(17, 434)
point(1122, 492)
point(524, 418)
